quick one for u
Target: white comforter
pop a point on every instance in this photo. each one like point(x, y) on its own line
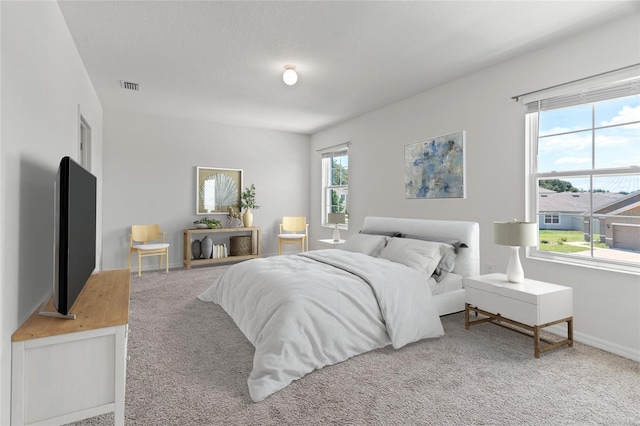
point(301, 313)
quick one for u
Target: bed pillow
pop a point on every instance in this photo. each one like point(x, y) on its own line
point(455, 243)
point(423, 256)
point(365, 243)
point(446, 264)
point(385, 233)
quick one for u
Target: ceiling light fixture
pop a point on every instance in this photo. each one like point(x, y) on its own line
point(290, 77)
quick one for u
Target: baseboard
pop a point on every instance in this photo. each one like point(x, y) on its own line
point(561, 330)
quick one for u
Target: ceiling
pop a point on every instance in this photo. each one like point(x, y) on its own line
point(223, 61)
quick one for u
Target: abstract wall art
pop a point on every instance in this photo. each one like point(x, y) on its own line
point(217, 189)
point(435, 168)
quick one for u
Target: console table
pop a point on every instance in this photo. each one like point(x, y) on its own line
point(190, 233)
point(67, 370)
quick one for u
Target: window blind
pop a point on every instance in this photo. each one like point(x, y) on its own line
point(621, 90)
point(335, 150)
point(616, 84)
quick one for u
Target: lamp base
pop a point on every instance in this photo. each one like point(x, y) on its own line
point(515, 273)
point(336, 234)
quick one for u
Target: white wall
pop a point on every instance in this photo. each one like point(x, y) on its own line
point(605, 303)
point(149, 177)
point(43, 81)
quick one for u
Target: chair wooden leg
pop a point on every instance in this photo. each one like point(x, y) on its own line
point(130, 261)
point(279, 246)
point(166, 259)
point(139, 264)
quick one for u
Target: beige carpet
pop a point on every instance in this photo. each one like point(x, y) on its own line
point(189, 364)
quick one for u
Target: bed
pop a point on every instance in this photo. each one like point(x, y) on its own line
point(387, 285)
point(467, 261)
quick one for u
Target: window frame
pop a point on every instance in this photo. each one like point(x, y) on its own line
point(532, 191)
point(328, 154)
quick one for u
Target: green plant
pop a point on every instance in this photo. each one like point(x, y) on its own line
point(248, 198)
point(211, 223)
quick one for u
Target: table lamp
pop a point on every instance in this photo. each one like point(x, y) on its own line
point(515, 234)
point(336, 218)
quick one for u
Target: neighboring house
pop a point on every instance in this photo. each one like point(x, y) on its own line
point(569, 210)
point(621, 231)
point(620, 228)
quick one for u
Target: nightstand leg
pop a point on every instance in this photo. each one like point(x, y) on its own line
point(466, 316)
point(536, 341)
point(570, 331)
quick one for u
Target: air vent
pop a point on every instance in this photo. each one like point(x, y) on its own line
point(129, 85)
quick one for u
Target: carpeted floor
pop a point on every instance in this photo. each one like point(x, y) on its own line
point(188, 365)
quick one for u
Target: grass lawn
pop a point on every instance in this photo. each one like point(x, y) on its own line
point(557, 241)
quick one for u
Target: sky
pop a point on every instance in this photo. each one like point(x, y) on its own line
point(567, 142)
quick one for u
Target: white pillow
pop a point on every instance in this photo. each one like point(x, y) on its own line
point(423, 256)
point(365, 243)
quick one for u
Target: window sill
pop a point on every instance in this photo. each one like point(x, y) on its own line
point(619, 267)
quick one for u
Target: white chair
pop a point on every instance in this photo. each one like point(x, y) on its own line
point(147, 234)
point(294, 230)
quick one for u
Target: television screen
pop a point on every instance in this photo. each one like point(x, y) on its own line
point(75, 232)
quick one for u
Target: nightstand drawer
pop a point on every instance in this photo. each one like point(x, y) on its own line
point(481, 299)
point(516, 310)
point(330, 243)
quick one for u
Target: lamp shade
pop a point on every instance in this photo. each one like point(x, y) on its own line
point(515, 234)
point(336, 218)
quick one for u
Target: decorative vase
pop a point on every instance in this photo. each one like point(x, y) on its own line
point(247, 218)
point(206, 246)
point(195, 249)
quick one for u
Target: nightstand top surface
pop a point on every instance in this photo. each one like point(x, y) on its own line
point(499, 284)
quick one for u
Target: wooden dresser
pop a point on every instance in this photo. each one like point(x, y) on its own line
point(67, 370)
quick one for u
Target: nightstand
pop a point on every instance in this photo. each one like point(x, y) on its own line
point(329, 243)
point(529, 305)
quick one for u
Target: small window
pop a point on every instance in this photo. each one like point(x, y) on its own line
point(335, 183)
point(551, 219)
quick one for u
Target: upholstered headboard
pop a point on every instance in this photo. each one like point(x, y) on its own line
point(468, 258)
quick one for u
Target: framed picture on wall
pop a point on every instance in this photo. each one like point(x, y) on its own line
point(217, 189)
point(435, 167)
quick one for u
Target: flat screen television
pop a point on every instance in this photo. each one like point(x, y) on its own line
point(74, 232)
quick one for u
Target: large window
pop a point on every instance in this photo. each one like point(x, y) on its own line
point(335, 182)
point(584, 174)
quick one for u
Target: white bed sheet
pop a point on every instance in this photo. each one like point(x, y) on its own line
point(451, 282)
